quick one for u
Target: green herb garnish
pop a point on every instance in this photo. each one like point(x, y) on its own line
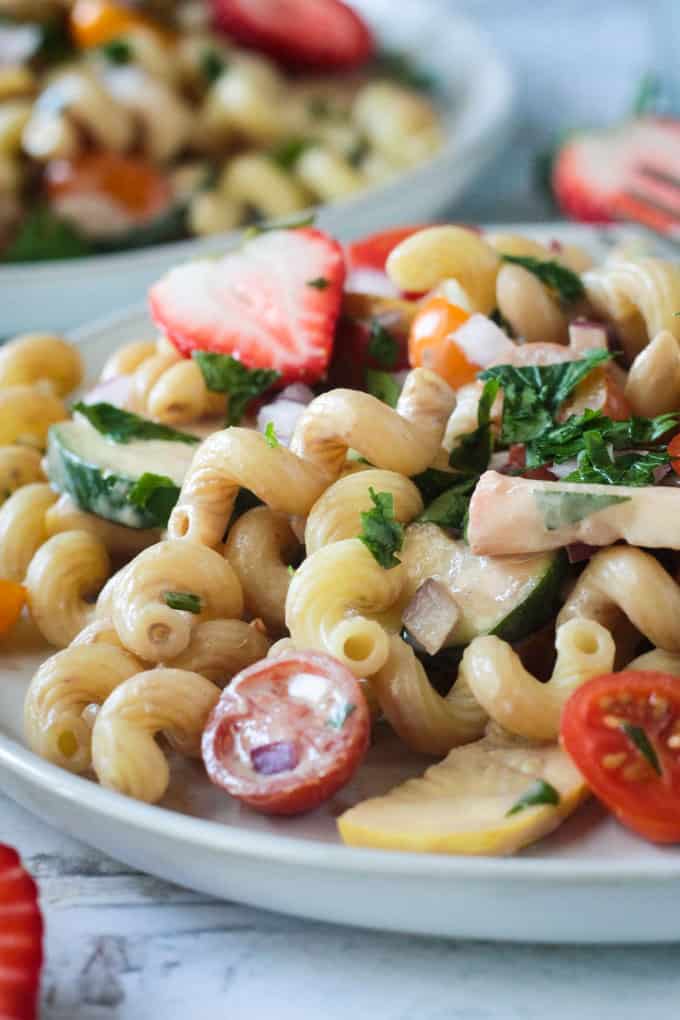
point(564, 442)
point(117, 51)
point(473, 451)
point(382, 347)
point(432, 482)
point(43, 236)
point(560, 508)
point(270, 436)
point(155, 493)
point(639, 738)
point(224, 374)
point(287, 153)
point(320, 283)
point(597, 464)
point(340, 714)
point(532, 395)
point(125, 427)
point(381, 533)
point(563, 283)
point(213, 65)
point(184, 601)
point(291, 570)
point(538, 793)
point(383, 386)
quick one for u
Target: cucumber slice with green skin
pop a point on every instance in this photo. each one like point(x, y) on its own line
point(99, 475)
point(509, 596)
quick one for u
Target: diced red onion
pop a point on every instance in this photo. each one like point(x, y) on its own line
point(482, 341)
point(579, 552)
point(114, 391)
point(270, 759)
point(370, 281)
point(283, 415)
point(297, 392)
point(562, 470)
point(555, 246)
point(660, 473)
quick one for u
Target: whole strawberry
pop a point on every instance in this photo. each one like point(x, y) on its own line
point(21, 933)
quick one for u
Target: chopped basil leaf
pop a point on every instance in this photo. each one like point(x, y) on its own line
point(125, 427)
point(340, 714)
point(532, 395)
point(184, 601)
point(564, 283)
point(287, 153)
point(224, 374)
point(538, 793)
point(383, 386)
point(320, 283)
point(400, 67)
point(43, 236)
point(561, 508)
point(473, 452)
point(381, 533)
point(117, 51)
point(432, 482)
point(450, 509)
point(213, 65)
point(564, 442)
point(382, 346)
point(156, 493)
point(639, 738)
point(270, 436)
point(596, 464)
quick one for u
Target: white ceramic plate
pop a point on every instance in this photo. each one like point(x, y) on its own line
point(590, 882)
point(478, 95)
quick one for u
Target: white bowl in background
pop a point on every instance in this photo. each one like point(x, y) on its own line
point(478, 94)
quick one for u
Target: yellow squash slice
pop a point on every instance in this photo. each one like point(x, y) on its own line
point(461, 805)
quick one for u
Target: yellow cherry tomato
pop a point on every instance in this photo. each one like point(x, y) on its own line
point(12, 601)
point(97, 22)
point(430, 344)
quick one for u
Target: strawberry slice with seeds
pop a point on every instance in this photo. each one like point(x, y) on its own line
point(595, 172)
point(322, 34)
point(272, 304)
point(21, 930)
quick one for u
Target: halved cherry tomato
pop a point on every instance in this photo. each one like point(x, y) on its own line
point(372, 252)
point(129, 182)
point(287, 733)
point(12, 601)
point(674, 452)
point(97, 22)
point(599, 391)
point(623, 732)
point(430, 344)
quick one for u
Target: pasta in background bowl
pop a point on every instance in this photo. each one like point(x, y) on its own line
point(475, 107)
point(168, 651)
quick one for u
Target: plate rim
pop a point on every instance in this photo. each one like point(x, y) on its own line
point(230, 838)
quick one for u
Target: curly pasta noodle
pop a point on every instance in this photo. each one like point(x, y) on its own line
point(19, 465)
point(333, 601)
point(122, 543)
point(518, 702)
point(136, 600)
point(337, 514)
point(219, 649)
point(179, 395)
point(128, 359)
point(405, 440)
point(423, 719)
point(66, 570)
point(529, 308)
point(628, 581)
point(99, 631)
point(641, 296)
point(125, 755)
point(61, 691)
point(653, 384)
point(260, 547)
point(41, 356)
point(657, 661)
point(26, 413)
point(145, 377)
point(22, 528)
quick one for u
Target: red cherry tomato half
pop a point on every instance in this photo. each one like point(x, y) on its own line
point(623, 732)
point(287, 733)
point(674, 453)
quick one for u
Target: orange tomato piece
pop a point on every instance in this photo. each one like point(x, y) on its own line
point(131, 182)
point(12, 601)
point(430, 344)
point(96, 22)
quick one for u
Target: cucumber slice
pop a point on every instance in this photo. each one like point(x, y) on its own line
point(509, 596)
point(99, 474)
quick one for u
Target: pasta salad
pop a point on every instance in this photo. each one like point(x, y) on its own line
point(426, 483)
point(130, 124)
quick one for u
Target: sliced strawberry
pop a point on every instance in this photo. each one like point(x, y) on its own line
point(593, 170)
point(272, 304)
point(21, 930)
point(322, 34)
point(373, 251)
